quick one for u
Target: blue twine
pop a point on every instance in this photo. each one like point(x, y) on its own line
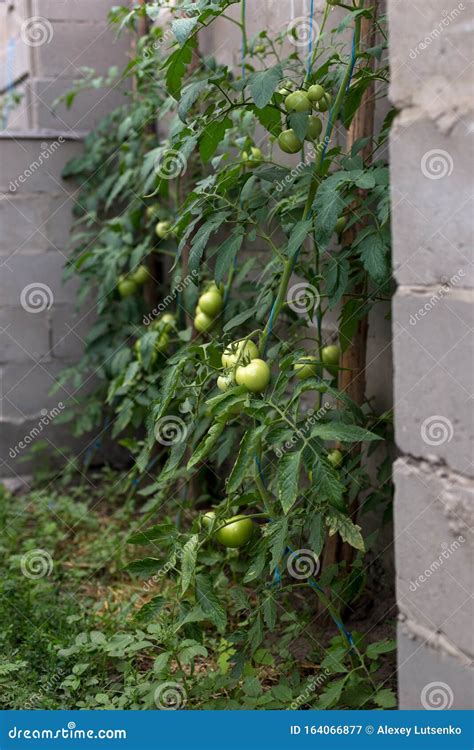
point(313, 584)
point(310, 44)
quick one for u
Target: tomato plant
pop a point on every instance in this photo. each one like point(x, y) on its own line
point(219, 228)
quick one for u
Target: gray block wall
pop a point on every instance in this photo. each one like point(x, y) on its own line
point(43, 46)
point(431, 166)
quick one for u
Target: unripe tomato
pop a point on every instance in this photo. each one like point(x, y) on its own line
point(208, 518)
point(307, 369)
point(162, 229)
point(151, 211)
point(335, 458)
point(236, 532)
point(259, 49)
point(255, 376)
point(203, 322)
point(211, 303)
point(286, 88)
point(216, 288)
point(168, 318)
point(324, 103)
point(298, 102)
point(141, 275)
point(197, 310)
point(315, 127)
point(330, 357)
point(241, 352)
point(127, 288)
point(254, 158)
point(340, 224)
point(224, 382)
point(289, 141)
point(162, 343)
point(137, 347)
point(315, 92)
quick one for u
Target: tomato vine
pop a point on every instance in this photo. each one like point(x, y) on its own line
point(242, 440)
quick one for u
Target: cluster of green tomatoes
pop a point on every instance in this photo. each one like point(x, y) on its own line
point(209, 305)
point(129, 284)
point(243, 366)
point(315, 98)
point(162, 325)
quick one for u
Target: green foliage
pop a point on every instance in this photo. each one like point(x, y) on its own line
point(263, 454)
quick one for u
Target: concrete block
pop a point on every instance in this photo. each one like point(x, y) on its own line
point(88, 108)
point(23, 336)
point(428, 40)
point(79, 10)
point(75, 45)
point(430, 679)
point(35, 282)
point(70, 328)
point(34, 223)
point(25, 390)
point(432, 204)
point(34, 164)
point(433, 354)
point(434, 514)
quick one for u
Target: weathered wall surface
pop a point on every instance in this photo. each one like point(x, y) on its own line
point(43, 45)
point(431, 164)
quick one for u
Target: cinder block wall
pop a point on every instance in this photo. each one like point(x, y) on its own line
point(43, 45)
point(431, 164)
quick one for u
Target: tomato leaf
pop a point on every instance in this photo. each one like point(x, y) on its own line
point(212, 136)
point(298, 235)
point(188, 561)
point(209, 603)
point(206, 445)
point(245, 458)
point(347, 433)
point(263, 84)
point(182, 28)
point(288, 470)
point(348, 531)
point(226, 254)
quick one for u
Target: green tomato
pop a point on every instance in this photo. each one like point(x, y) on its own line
point(239, 352)
point(211, 303)
point(235, 532)
point(208, 519)
point(162, 342)
point(255, 376)
point(315, 92)
point(224, 382)
point(203, 322)
point(307, 368)
point(324, 103)
point(127, 288)
point(216, 288)
point(289, 142)
point(259, 49)
point(298, 102)
point(137, 346)
point(335, 458)
point(151, 211)
point(141, 275)
point(162, 229)
point(330, 357)
point(315, 127)
point(340, 225)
